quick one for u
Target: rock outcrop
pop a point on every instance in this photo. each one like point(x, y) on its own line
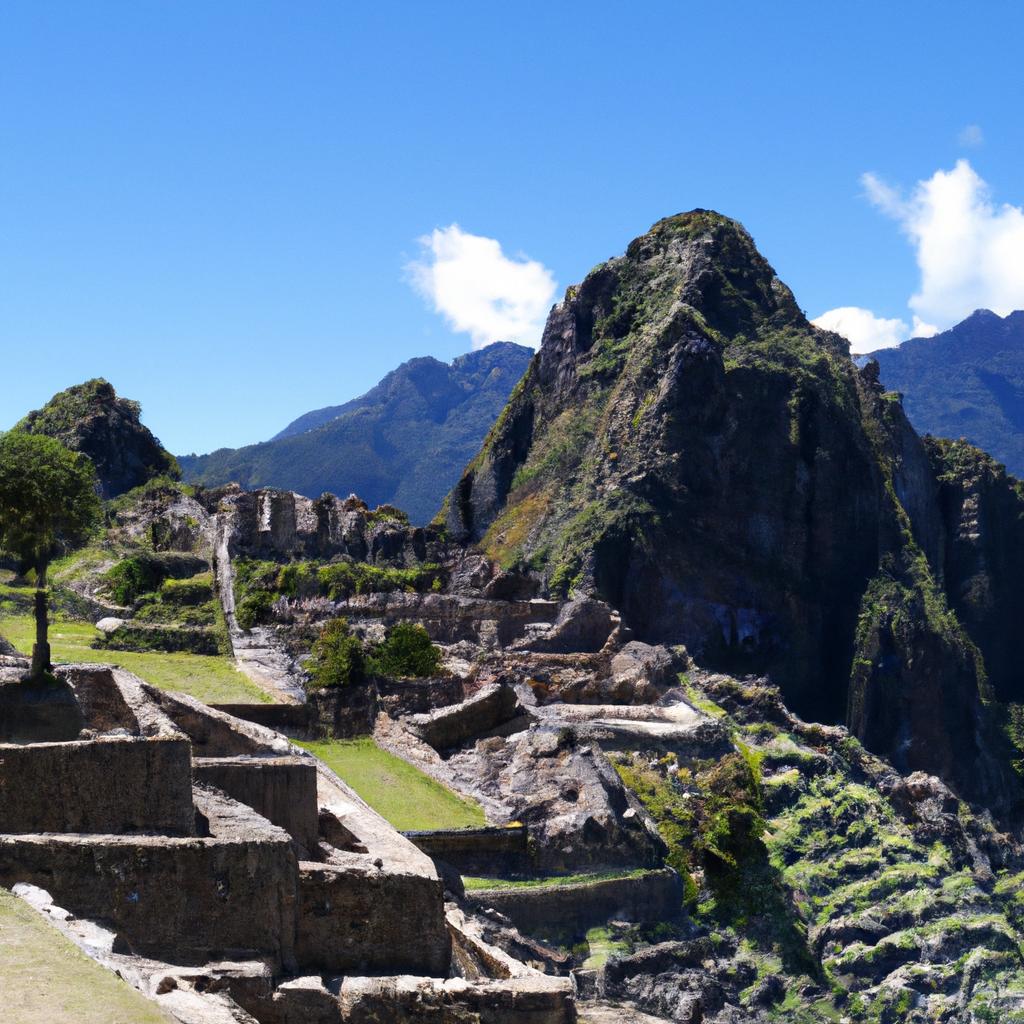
point(91, 419)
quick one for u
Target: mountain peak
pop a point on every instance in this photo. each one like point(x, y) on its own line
point(92, 419)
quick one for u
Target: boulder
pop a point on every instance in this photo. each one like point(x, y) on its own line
point(584, 624)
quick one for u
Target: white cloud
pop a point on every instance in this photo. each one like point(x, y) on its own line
point(862, 329)
point(971, 135)
point(479, 290)
point(969, 250)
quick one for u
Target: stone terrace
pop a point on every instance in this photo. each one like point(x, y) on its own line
point(226, 873)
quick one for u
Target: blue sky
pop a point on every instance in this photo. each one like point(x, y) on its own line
point(215, 204)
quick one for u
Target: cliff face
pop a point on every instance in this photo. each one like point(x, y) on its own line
point(91, 419)
point(982, 511)
point(687, 446)
point(404, 442)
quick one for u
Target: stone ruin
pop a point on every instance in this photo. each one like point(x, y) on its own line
point(228, 874)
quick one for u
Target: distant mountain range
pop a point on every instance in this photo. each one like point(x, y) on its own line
point(966, 382)
point(404, 442)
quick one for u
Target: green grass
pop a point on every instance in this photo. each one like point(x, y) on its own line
point(211, 679)
point(396, 790)
point(602, 947)
point(473, 883)
point(46, 979)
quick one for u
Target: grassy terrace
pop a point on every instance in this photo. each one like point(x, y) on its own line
point(209, 679)
point(475, 883)
point(46, 979)
point(395, 789)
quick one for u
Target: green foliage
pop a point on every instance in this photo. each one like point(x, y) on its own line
point(406, 653)
point(131, 578)
point(149, 572)
point(192, 591)
point(337, 658)
point(253, 609)
point(48, 499)
point(340, 580)
point(731, 826)
point(259, 584)
point(187, 602)
point(156, 487)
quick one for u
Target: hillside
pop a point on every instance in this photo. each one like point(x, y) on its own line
point(403, 443)
point(965, 382)
point(90, 418)
point(690, 448)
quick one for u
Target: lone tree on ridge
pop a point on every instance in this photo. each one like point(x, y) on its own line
point(48, 504)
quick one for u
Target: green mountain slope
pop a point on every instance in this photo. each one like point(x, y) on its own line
point(402, 443)
point(966, 382)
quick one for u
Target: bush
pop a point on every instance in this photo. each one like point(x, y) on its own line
point(253, 608)
point(337, 658)
point(406, 653)
point(131, 578)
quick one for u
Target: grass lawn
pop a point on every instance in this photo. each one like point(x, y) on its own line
point(395, 789)
point(211, 679)
point(46, 979)
point(472, 882)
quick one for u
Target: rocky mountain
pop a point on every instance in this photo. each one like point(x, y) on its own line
point(404, 442)
point(688, 447)
point(965, 382)
point(90, 418)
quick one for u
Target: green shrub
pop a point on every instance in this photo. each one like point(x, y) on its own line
point(406, 653)
point(253, 608)
point(337, 658)
point(335, 580)
point(127, 581)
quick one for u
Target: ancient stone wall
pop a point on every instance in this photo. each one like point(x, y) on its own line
point(104, 786)
point(38, 712)
point(569, 910)
point(282, 789)
point(359, 918)
point(481, 851)
point(182, 900)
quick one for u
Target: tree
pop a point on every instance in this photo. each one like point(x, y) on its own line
point(48, 504)
point(406, 653)
point(337, 657)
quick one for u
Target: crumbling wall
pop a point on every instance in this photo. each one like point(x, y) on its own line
point(181, 900)
point(563, 910)
point(493, 851)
